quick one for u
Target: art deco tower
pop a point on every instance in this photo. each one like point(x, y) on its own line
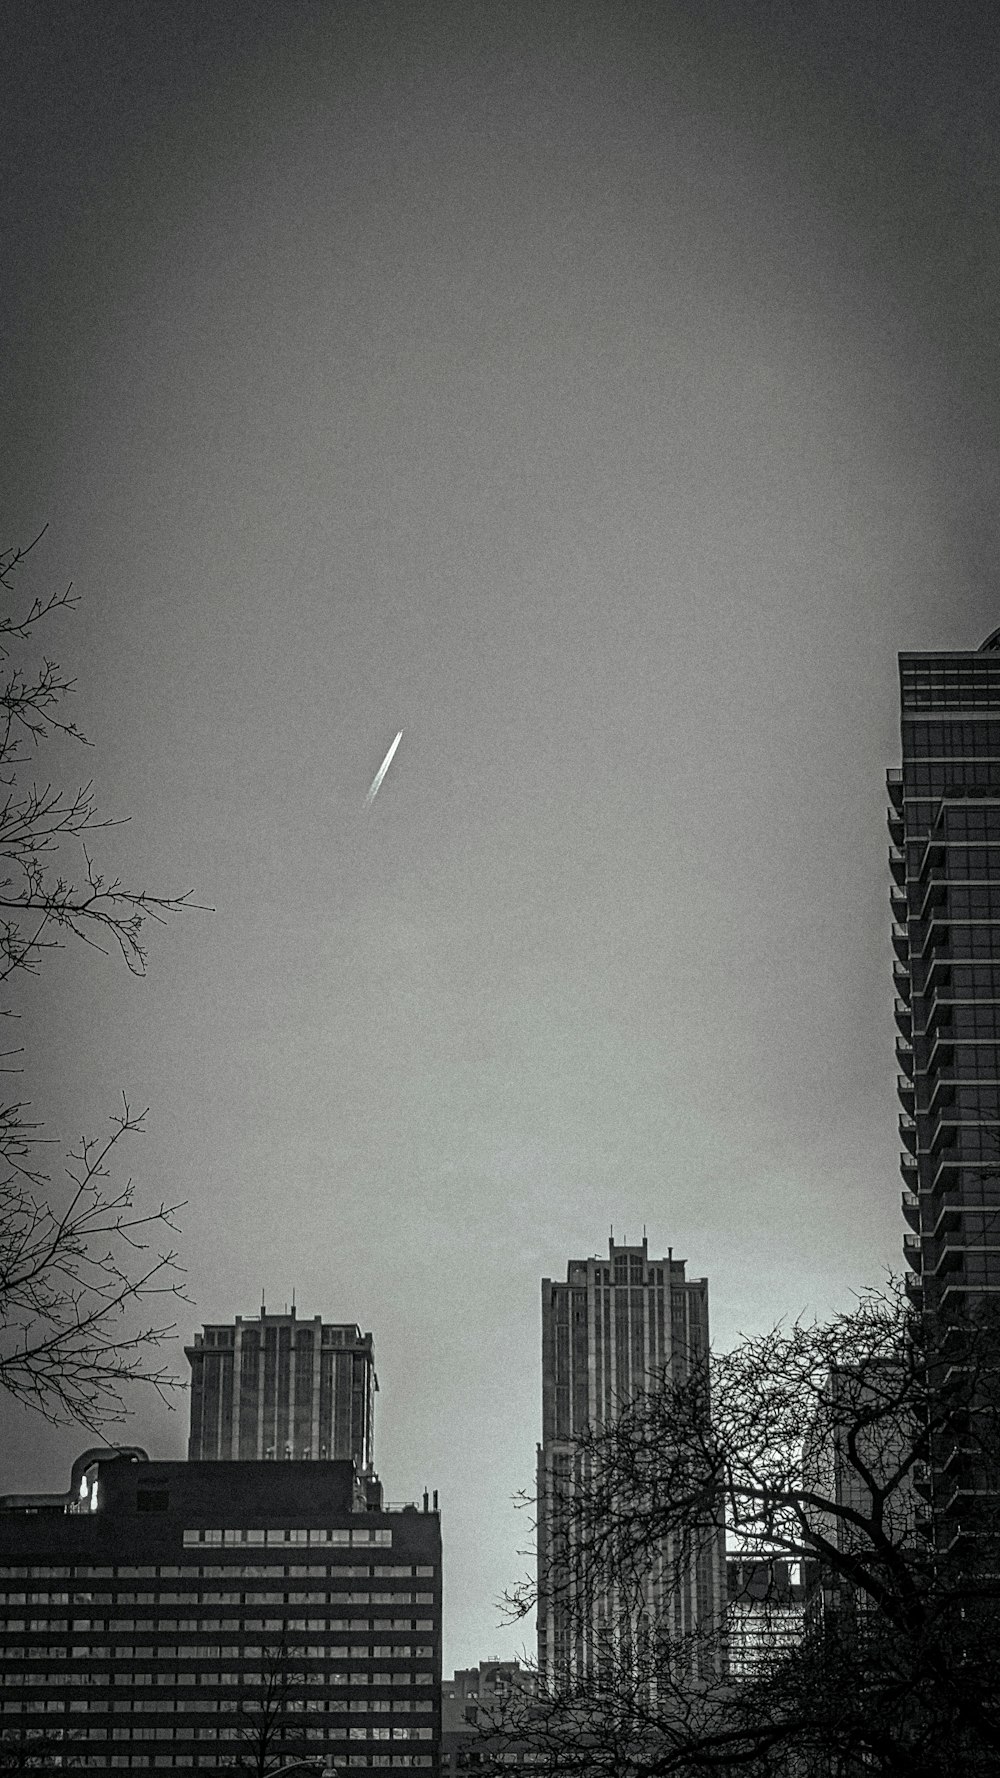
point(282, 1388)
point(606, 1332)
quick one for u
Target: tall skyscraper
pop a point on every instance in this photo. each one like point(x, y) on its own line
point(944, 823)
point(187, 1615)
point(606, 1332)
point(282, 1388)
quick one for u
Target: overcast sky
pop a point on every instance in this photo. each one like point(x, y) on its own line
point(600, 393)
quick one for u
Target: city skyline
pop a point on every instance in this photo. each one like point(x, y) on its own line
point(602, 397)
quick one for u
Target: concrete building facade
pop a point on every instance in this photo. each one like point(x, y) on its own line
point(148, 1615)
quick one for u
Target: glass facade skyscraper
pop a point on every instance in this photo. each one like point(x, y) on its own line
point(944, 824)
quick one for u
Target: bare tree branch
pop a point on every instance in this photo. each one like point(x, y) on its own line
point(82, 1262)
point(814, 1440)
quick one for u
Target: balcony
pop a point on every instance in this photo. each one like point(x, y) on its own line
point(907, 1093)
point(897, 865)
point(914, 1287)
point(942, 1212)
point(911, 1209)
point(894, 786)
point(942, 1085)
point(944, 1255)
point(903, 1017)
point(908, 1168)
point(904, 1055)
point(900, 941)
point(942, 1042)
point(950, 1159)
point(894, 822)
point(901, 982)
point(908, 1132)
point(930, 895)
point(934, 936)
point(898, 903)
point(911, 1251)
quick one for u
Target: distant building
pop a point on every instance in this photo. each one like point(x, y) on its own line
point(606, 1332)
point(280, 1388)
point(474, 1698)
point(144, 1614)
point(767, 1608)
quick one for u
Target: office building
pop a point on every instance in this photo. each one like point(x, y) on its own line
point(281, 1388)
point(482, 1709)
point(766, 1617)
point(156, 1613)
point(944, 823)
point(606, 1332)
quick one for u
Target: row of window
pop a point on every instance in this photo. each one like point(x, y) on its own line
point(388, 1599)
point(961, 941)
point(963, 863)
point(182, 1706)
point(110, 1626)
point(221, 1730)
point(341, 1675)
point(218, 1573)
point(291, 1534)
point(59, 1678)
point(174, 1651)
point(955, 694)
point(938, 777)
point(980, 1268)
point(963, 981)
point(972, 1021)
point(946, 739)
point(146, 1761)
point(968, 821)
point(982, 903)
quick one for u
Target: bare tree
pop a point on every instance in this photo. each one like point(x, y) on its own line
point(271, 1733)
point(81, 1261)
point(817, 1442)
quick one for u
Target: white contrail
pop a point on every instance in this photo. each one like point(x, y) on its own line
point(380, 774)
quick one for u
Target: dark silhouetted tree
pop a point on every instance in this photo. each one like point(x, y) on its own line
point(82, 1261)
point(271, 1732)
point(818, 1442)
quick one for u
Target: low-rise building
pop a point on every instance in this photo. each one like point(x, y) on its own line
point(162, 1614)
point(473, 1703)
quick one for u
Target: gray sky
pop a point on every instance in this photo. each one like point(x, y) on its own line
point(601, 393)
